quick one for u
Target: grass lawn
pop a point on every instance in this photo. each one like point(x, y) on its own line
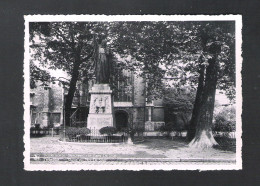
point(149, 148)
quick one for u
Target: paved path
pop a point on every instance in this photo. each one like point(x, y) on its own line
point(50, 149)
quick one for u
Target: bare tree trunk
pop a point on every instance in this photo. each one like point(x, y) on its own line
point(197, 104)
point(73, 83)
point(71, 92)
point(203, 136)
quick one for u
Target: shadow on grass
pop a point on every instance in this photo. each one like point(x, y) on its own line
point(226, 144)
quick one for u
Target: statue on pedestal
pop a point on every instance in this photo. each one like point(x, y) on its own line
point(102, 65)
point(100, 113)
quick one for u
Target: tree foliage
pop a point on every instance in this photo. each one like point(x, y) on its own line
point(175, 49)
point(178, 105)
point(69, 46)
point(188, 52)
point(199, 54)
point(180, 99)
point(39, 75)
point(58, 45)
point(225, 120)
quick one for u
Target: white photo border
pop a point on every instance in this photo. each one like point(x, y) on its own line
point(110, 18)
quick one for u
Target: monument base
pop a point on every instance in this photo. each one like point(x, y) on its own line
point(100, 112)
point(98, 121)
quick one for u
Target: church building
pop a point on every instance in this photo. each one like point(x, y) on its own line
point(130, 106)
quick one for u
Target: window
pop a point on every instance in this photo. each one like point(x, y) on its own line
point(123, 86)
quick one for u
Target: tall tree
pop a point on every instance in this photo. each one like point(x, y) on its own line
point(69, 46)
point(198, 53)
point(217, 43)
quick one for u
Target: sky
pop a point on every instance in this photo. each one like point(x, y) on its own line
point(221, 98)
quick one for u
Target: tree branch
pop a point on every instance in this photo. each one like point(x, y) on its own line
point(89, 56)
point(71, 44)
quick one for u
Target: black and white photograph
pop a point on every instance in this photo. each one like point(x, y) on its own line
point(159, 92)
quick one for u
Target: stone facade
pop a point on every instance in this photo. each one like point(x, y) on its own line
point(46, 105)
point(130, 108)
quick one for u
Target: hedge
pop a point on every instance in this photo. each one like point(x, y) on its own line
point(72, 132)
point(108, 130)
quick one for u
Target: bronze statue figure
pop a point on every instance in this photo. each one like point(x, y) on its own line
point(102, 65)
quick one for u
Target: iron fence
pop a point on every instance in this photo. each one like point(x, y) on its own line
point(94, 136)
point(44, 131)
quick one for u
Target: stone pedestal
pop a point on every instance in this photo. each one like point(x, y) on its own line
point(100, 112)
